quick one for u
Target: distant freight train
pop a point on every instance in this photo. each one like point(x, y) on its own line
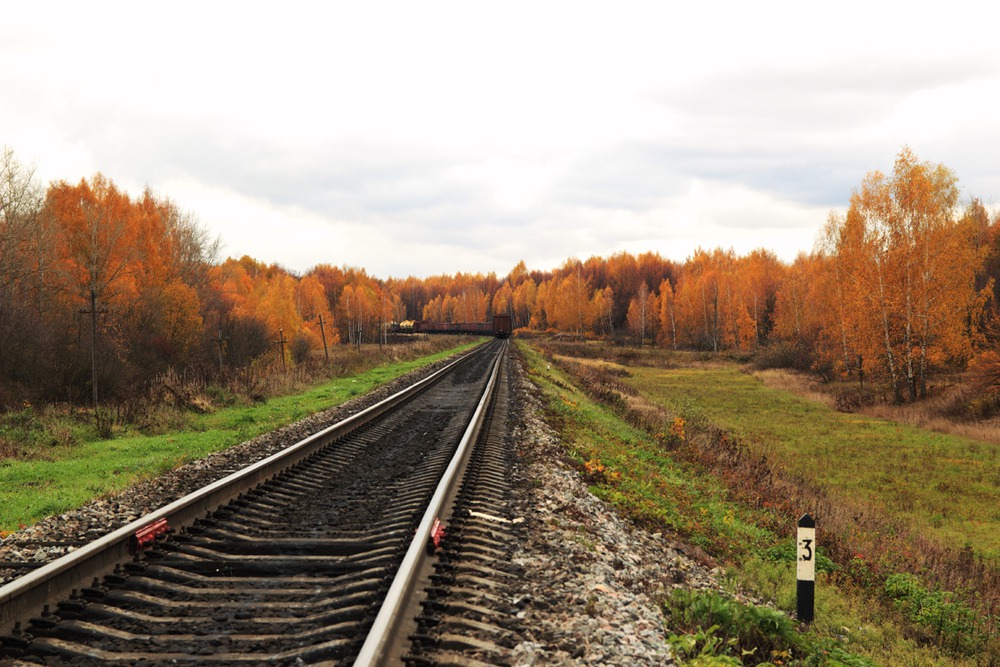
point(499, 327)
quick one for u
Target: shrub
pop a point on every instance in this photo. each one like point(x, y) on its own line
point(781, 355)
point(982, 407)
point(855, 398)
point(595, 472)
point(676, 434)
point(300, 348)
point(953, 622)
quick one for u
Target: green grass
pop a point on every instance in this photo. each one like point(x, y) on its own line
point(68, 476)
point(945, 486)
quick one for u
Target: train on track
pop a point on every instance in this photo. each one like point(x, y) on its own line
point(499, 327)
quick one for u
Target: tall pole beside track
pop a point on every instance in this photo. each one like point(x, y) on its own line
point(281, 345)
point(93, 312)
point(322, 332)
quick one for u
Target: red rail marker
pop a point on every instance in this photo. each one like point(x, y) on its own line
point(437, 534)
point(146, 535)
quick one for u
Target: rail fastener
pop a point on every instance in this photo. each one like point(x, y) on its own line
point(146, 536)
point(437, 534)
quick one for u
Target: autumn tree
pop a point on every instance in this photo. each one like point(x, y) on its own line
point(602, 311)
point(570, 300)
point(25, 237)
point(503, 300)
point(668, 314)
point(20, 206)
point(697, 300)
point(642, 315)
point(623, 279)
point(761, 274)
point(912, 269)
point(524, 302)
point(807, 315)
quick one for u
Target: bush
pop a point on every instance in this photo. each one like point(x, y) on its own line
point(953, 622)
point(979, 408)
point(300, 348)
point(595, 472)
point(854, 398)
point(781, 355)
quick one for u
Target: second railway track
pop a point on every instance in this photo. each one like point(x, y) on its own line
point(295, 569)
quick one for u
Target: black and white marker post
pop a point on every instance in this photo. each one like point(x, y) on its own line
point(806, 569)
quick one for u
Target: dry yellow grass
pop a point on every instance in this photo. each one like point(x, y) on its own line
point(797, 383)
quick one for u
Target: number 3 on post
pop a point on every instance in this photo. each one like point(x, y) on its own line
point(805, 569)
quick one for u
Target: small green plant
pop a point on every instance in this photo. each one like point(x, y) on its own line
point(104, 423)
point(703, 647)
point(954, 623)
point(715, 625)
point(716, 630)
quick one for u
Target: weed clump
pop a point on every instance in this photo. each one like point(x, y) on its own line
point(711, 629)
point(26, 434)
point(595, 472)
point(953, 623)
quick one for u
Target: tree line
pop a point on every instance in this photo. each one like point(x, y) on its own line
point(898, 288)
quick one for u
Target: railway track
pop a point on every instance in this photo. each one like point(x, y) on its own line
point(320, 554)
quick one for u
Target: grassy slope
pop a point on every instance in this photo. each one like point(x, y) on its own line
point(70, 476)
point(945, 486)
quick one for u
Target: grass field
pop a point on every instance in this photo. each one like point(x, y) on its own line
point(944, 486)
point(69, 475)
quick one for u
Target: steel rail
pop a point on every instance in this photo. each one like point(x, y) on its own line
point(26, 596)
point(390, 617)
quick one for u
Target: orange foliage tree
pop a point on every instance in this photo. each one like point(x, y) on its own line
point(911, 268)
point(643, 315)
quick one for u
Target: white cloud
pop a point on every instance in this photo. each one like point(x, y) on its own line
point(453, 136)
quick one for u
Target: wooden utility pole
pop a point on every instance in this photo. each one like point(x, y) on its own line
point(281, 344)
point(381, 312)
point(221, 342)
point(322, 332)
point(93, 312)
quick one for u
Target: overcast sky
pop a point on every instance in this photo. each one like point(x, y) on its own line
point(416, 138)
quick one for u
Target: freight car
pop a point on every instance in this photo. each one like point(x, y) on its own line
point(502, 327)
point(466, 328)
point(499, 327)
